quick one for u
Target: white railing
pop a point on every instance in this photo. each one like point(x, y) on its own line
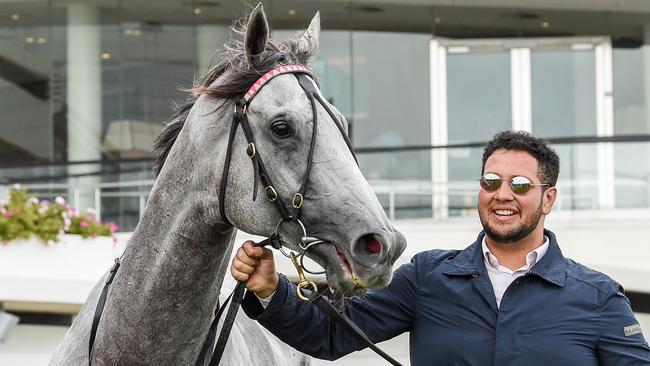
point(572, 195)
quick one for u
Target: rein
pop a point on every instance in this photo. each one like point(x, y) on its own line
point(306, 290)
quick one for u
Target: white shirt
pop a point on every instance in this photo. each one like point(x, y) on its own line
point(501, 277)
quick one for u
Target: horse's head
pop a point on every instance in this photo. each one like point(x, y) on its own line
point(334, 201)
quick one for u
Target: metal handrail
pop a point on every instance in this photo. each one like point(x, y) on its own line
point(391, 189)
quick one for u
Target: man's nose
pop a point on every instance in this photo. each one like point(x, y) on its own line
point(504, 193)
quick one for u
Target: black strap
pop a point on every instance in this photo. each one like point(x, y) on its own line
point(228, 322)
point(212, 331)
point(310, 90)
point(236, 296)
point(99, 309)
point(260, 168)
point(326, 307)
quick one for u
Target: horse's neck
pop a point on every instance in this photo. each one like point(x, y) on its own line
point(169, 280)
point(175, 247)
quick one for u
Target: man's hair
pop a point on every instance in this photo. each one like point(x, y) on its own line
point(547, 160)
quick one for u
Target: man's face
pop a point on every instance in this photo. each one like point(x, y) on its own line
point(506, 216)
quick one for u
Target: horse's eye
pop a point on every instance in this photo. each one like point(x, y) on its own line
point(281, 129)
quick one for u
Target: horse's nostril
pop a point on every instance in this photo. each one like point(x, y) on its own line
point(372, 244)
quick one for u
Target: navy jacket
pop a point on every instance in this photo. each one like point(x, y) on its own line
point(559, 313)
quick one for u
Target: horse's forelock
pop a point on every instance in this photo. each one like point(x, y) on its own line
point(236, 77)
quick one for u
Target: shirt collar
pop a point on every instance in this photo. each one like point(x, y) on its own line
point(531, 258)
point(470, 262)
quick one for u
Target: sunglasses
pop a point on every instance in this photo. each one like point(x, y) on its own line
point(520, 185)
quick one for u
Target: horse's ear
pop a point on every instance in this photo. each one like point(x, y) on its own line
point(257, 34)
point(309, 41)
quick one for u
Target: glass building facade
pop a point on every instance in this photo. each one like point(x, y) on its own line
point(86, 85)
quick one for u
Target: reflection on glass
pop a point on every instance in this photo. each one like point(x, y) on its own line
point(478, 103)
point(464, 171)
point(631, 160)
point(26, 130)
point(407, 190)
point(563, 93)
point(390, 89)
point(632, 174)
point(478, 96)
point(564, 104)
point(630, 80)
point(333, 65)
point(155, 63)
point(578, 180)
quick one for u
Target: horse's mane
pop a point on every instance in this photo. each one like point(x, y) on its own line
point(234, 77)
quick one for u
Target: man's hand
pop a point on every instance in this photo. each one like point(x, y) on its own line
point(256, 266)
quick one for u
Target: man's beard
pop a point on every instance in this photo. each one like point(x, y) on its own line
point(515, 234)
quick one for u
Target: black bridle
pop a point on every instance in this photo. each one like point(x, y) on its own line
point(240, 118)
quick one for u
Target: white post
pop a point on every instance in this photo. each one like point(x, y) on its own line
point(142, 203)
point(605, 124)
point(98, 203)
point(84, 97)
point(520, 82)
point(439, 134)
point(391, 203)
point(645, 49)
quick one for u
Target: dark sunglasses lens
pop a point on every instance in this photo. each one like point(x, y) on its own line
point(490, 182)
point(521, 185)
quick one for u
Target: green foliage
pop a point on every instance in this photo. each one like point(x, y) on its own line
point(23, 216)
point(86, 226)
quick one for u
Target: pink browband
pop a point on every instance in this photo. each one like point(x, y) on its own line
point(284, 69)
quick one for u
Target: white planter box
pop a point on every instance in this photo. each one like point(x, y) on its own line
point(64, 273)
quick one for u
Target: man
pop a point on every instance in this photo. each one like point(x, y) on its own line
point(510, 298)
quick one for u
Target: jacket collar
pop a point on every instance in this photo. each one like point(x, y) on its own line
point(469, 262)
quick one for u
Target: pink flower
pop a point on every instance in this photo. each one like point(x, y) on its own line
point(8, 213)
point(83, 223)
point(74, 211)
point(45, 203)
point(59, 200)
point(113, 226)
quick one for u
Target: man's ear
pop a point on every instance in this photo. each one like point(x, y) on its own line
point(548, 199)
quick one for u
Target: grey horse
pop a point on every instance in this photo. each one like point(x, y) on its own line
point(162, 299)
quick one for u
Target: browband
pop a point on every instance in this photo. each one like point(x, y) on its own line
point(284, 69)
